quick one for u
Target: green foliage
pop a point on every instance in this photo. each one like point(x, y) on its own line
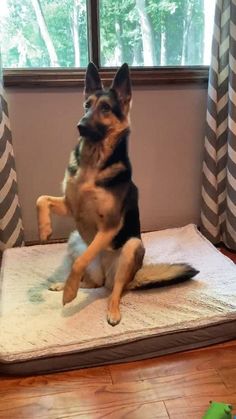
point(27, 48)
point(119, 28)
point(175, 27)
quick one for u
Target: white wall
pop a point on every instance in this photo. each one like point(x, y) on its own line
point(166, 148)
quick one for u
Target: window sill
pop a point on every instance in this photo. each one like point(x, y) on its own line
point(75, 77)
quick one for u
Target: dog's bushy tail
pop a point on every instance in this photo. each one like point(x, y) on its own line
point(160, 275)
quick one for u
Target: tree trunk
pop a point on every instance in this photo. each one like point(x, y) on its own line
point(146, 30)
point(22, 49)
point(187, 23)
point(163, 60)
point(75, 32)
point(118, 54)
point(208, 18)
point(183, 54)
point(45, 34)
point(136, 57)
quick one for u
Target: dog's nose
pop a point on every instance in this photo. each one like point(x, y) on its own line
point(83, 129)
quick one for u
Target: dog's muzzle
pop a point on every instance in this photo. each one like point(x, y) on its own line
point(94, 133)
point(84, 130)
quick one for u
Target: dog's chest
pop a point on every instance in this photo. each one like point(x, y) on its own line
point(89, 203)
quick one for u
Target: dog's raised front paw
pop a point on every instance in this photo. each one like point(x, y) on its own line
point(45, 232)
point(44, 222)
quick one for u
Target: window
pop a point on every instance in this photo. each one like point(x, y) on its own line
point(66, 34)
point(156, 32)
point(44, 33)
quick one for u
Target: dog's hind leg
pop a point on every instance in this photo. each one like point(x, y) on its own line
point(93, 276)
point(101, 241)
point(130, 261)
point(45, 205)
point(90, 279)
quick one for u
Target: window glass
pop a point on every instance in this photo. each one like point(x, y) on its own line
point(156, 32)
point(43, 33)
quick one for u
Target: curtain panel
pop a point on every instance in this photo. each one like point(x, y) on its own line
point(11, 229)
point(218, 213)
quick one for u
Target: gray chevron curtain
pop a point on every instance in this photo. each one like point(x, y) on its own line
point(218, 214)
point(11, 229)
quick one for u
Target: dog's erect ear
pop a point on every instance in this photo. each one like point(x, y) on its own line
point(121, 84)
point(92, 80)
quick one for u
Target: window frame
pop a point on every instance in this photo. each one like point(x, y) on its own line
point(71, 77)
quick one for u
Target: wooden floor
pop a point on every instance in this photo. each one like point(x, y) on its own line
point(174, 386)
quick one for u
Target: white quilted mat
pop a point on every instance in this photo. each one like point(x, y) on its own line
point(33, 322)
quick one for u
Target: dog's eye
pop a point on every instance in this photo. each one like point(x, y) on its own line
point(105, 107)
point(87, 105)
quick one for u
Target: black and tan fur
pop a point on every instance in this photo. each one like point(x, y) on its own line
point(103, 200)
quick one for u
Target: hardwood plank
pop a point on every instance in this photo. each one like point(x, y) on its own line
point(228, 376)
point(37, 396)
point(83, 401)
point(175, 364)
point(69, 407)
point(183, 385)
point(157, 389)
point(195, 407)
point(53, 383)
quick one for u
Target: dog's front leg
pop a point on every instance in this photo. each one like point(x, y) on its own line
point(130, 261)
point(101, 241)
point(45, 205)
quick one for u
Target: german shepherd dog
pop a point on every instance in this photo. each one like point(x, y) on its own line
point(98, 192)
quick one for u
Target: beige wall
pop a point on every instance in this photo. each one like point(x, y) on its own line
point(166, 150)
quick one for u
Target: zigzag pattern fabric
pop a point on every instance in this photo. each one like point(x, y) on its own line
point(218, 213)
point(11, 229)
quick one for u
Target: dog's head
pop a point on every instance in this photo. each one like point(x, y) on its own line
point(106, 111)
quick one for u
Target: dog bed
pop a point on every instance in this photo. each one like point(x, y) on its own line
point(38, 334)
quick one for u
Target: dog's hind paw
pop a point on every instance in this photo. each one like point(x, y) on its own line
point(57, 286)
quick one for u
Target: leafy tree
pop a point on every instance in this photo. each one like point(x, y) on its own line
point(45, 33)
point(42, 33)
